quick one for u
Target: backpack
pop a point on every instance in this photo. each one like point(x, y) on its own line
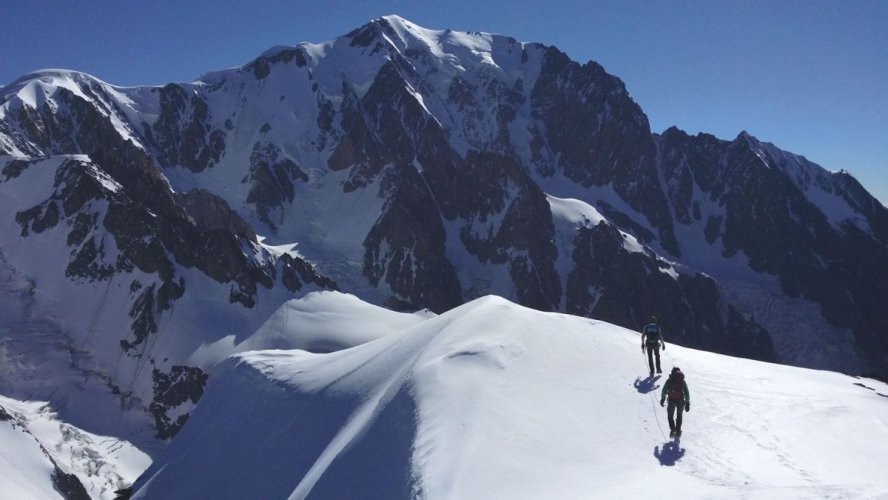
point(653, 333)
point(675, 383)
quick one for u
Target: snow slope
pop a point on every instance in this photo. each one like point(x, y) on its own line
point(35, 445)
point(493, 400)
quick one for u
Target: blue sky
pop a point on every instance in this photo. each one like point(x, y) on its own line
point(809, 76)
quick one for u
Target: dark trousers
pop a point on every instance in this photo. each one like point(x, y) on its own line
point(653, 352)
point(673, 406)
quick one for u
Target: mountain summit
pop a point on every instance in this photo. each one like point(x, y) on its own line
point(143, 229)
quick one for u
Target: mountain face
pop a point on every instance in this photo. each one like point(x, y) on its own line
point(415, 169)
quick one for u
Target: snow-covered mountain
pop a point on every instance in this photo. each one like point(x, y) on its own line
point(148, 232)
point(494, 400)
point(42, 457)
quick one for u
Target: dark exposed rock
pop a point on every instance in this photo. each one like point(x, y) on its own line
point(142, 313)
point(358, 147)
point(210, 212)
point(713, 229)
point(478, 186)
point(624, 221)
point(461, 93)
point(124, 493)
point(68, 485)
point(296, 272)
point(288, 55)
point(87, 262)
point(370, 35)
point(261, 66)
point(272, 179)
point(601, 136)
point(39, 218)
point(136, 232)
point(81, 226)
point(626, 288)
point(326, 113)
point(14, 168)
point(767, 216)
point(523, 239)
point(182, 134)
point(405, 248)
point(181, 385)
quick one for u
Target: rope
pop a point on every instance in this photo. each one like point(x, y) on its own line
point(656, 419)
point(644, 355)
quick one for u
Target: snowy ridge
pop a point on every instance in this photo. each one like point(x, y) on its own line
point(818, 184)
point(122, 106)
point(492, 400)
point(319, 322)
point(38, 87)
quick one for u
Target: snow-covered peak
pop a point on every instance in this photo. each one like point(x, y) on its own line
point(54, 87)
point(819, 186)
point(822, 188)
point(406, 28)
point(458, 48)
point(53, 76)
point(48, 80)
point(745, 140)
point(36, 88)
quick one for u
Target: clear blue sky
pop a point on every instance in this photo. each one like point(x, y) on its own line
point(811, 76)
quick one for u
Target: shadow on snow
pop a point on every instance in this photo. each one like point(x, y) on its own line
point(647, 385)
point(671, 452)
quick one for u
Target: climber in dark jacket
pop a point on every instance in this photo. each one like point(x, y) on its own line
point(676, 389)
point(652, 338)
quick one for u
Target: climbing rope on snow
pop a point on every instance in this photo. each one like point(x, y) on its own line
point(656, 418)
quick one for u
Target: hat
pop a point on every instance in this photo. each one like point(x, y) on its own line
point(676, 369)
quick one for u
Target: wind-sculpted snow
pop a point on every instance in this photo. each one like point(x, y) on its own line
point(319, 322)
point(493, 400)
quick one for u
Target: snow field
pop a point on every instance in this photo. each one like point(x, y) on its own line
point(493, 400)
point(34, 439)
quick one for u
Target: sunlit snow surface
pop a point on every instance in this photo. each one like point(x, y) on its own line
point(33, 441)
point(493, 400)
